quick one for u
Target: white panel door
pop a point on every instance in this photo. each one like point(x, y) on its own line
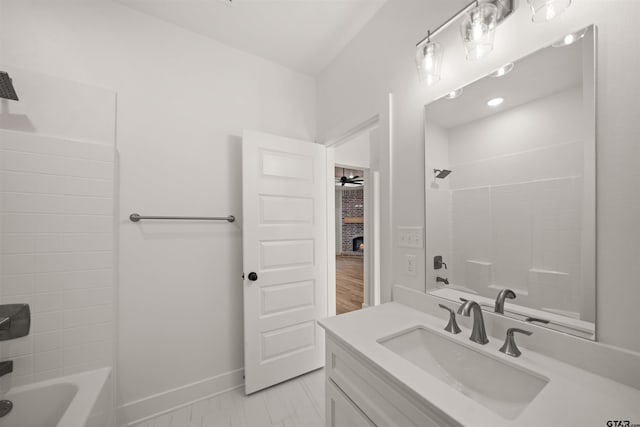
point(285, 257)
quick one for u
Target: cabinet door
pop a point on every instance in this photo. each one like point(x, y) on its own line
point(341, 411)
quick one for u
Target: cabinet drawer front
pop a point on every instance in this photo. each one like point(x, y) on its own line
point(382, 402)
point(341, 411)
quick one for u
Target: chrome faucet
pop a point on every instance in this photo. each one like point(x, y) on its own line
point(502, 295)
point(478, 332)
point(452, 326)
point(509, 347)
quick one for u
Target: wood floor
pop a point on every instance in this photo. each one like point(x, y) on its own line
point(349, 283)
point(295, 403)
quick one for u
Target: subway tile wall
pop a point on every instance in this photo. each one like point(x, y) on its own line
point(57, 237)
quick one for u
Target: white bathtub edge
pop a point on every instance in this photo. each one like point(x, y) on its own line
point(90, 385)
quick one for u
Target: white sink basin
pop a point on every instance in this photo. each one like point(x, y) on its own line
point(502, 387)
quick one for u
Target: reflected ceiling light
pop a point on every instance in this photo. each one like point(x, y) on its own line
point(505, 69)
point(495, 102)
point(478, 29)
point(546, 10)
point(429, 62)
point(453, 94)
point(570, 38)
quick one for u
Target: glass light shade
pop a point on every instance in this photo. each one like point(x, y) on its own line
point(478, 29)
point(546, 10)
point(429, 62)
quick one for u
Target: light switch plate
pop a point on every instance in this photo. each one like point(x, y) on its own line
point(411, 237)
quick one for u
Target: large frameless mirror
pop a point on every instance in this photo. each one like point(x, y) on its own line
point(510, 189)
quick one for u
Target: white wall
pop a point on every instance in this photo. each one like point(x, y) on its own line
point(57, 226)
point(380, 60)
point(183, 101)
point(354, 153)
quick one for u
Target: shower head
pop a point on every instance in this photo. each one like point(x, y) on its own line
point(441, 173)
point(6, 87)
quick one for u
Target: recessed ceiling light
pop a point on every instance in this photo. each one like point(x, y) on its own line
point(505, 69)
point(453, 94)
point(495, 102)
point(570, 39)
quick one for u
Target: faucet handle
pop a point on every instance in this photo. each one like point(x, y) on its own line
point(452, 326)
point(509, 347)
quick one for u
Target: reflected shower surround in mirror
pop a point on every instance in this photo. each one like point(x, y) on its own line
point(519, 211)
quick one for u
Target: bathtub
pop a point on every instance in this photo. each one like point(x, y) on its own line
point(61, 402)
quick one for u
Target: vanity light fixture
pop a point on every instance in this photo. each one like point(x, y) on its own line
point(504, 70)
point(495, 102)
point(477, 30)
point(429, 62)
point(453, 94)
point(570, 39)
point(546, 10)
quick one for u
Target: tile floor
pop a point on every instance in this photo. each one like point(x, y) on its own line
point(295, 403)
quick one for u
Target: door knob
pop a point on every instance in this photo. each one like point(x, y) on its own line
point(253, 276)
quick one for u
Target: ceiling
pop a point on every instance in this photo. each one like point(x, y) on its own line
point(305, 35)
point(543, 73)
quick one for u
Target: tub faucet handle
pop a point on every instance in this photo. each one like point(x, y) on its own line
point(452, 326)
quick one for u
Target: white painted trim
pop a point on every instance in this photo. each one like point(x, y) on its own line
point(366, 126)
point(331, 232)
point(366, 234)
point(375, 190)
point(372, 213)
point(170, 400)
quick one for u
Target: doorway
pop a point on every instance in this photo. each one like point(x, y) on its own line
point(354, 154)
point(350, 239)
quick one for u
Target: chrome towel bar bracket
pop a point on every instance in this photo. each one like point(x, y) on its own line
point(135, 217)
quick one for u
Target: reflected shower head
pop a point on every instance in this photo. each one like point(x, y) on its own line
point(441, 173)
point(6, 87)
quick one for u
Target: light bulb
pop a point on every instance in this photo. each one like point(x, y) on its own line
point(477, 29)
point(429, 59)
point(550, 13)
point(495, 102)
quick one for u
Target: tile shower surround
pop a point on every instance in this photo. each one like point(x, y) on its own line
point(57, 252)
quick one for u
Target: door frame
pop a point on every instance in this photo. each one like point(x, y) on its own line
point(371, 220)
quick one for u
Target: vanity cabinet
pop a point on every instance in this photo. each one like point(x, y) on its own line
point(359, 394)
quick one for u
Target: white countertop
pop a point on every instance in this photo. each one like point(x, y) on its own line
point(572, 397)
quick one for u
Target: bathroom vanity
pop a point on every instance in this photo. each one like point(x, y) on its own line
point(394, 365)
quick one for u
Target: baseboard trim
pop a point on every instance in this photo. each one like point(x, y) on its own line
point(170, 400)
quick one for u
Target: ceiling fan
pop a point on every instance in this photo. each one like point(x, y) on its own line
point(349, 181)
